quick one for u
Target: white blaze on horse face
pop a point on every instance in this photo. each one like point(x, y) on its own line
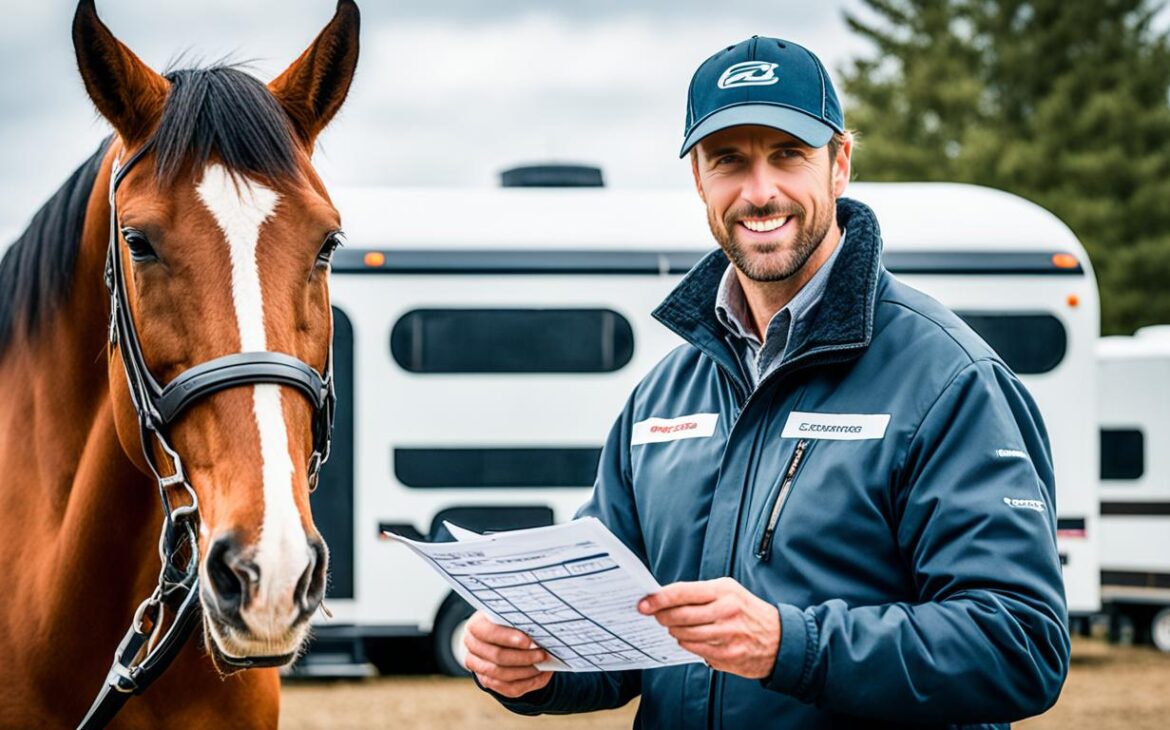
point(240, 207)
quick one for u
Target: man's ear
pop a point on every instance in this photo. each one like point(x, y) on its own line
point(127, 92)
point(312, 89)
point(695, 173)
point(843, 165)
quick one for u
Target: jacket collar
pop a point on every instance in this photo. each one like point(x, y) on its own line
point(843, 321)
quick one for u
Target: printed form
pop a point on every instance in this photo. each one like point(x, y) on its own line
point(574, 588)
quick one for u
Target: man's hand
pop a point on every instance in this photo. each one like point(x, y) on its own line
point(503, 659)
point(731, 629)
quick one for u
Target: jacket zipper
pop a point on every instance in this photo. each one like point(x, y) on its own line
point(770, 530)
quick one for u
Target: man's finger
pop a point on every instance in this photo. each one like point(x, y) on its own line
point(710, 653)
point(689, 615)
point(481, 627)
point(712, 634)
point(502, 655)
point(486, 668)
point(679, 594)
point(515, 689)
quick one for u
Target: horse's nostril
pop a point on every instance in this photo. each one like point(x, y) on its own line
point(231, 576)
point(311, 586)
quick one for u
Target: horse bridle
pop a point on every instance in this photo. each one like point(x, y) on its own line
point(146, 649)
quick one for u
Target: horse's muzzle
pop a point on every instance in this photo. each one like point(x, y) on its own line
point(254, 624)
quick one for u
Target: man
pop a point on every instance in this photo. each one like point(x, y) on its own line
point(860, 530)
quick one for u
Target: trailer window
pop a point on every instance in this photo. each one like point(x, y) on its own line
point(465, 468)
point(1028, 343)
point(512, 341)
point(1123, 454)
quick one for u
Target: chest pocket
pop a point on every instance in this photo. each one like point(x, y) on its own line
point(777, 497)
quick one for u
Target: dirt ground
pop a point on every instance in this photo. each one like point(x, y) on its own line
point(1108, 687)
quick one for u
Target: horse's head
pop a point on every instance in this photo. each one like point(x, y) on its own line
point(226, 234)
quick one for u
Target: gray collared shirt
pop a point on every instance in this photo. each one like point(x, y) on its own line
point(731, 310)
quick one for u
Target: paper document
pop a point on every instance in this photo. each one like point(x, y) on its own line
point(460, 533)
point(574, 588)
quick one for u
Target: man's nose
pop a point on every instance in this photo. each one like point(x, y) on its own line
point(758, 188)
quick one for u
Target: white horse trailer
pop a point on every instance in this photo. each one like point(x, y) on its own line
point(486, 339)
point(1134, 397)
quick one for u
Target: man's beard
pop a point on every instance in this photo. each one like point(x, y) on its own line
point(809, 235)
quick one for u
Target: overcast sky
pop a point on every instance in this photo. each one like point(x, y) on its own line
point(448, 92)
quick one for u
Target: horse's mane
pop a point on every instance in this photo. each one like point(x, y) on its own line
point(219, 109)
point(38, 267)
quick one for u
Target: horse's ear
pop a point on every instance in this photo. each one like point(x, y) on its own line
point(312, 89)
point(125, 90)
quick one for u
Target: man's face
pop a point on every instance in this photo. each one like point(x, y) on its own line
point(771, 199)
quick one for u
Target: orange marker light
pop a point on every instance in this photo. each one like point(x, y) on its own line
point(1065, 261)
point(1073, 300)
point(374, 259)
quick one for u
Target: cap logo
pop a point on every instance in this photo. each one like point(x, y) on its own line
point(748, 73)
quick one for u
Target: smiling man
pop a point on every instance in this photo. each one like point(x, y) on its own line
point(836, 519)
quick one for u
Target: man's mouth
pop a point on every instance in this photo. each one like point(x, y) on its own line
point(765, 225)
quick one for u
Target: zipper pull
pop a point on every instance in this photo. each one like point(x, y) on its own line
point(770, 531)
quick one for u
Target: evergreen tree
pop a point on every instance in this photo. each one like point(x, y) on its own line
point(1066, 103)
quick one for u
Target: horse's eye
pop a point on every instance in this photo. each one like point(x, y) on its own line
point(140, 248)
point(332, 242)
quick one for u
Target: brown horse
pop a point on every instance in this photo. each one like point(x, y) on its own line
point(224, 234)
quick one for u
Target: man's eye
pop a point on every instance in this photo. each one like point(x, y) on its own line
point(140, 248)
point(332, 242)
point(727, 160)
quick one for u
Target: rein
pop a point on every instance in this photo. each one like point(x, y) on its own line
point(146, 650)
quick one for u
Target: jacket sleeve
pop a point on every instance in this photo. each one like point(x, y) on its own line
point(612, 502)
point(986, 639)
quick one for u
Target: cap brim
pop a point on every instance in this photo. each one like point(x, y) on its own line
point(812, 132)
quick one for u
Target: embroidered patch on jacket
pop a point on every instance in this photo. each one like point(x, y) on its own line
point(657, 430)
point(836, 426)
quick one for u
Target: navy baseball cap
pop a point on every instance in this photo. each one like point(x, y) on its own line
point(763, 81)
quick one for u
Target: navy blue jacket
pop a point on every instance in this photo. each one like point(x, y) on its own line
point(913, 564)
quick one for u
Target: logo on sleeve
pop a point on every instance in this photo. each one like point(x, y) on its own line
point(836, 426)
point(657, 430)
point(1024, 504)
point(1011, 454)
